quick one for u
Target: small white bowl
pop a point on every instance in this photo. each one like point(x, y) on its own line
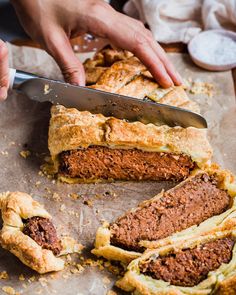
point(203, 38)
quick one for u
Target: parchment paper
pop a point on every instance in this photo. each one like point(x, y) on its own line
point(24, 125)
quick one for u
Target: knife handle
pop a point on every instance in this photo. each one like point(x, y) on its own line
point(17, 77)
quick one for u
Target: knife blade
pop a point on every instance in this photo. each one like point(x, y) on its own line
point(108, 104)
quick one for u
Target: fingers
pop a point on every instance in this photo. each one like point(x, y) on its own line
point(4, 71)
point(150, 58)
point(130, 34)
point(59, 47)
point(170, 69)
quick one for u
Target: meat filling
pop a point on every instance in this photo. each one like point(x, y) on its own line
point(190, 266)
point(97, 162)
point(42, 231)
point(189, 204)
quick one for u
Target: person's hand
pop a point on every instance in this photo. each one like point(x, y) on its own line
point(4, 71)
point(53, 22)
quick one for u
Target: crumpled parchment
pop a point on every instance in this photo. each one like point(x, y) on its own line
point(79, 209)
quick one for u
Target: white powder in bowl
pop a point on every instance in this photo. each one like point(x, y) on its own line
point(216, 49)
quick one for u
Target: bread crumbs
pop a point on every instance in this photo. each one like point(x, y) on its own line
point(37, 183)
point(56, 197)
point(4, 275)
point(74, 271)
point(9, 290)
point(88, 203)
point(106, 280)
point(4, 153)
point(31, 279)
point(199, 87)
point(74, 196)
point(25, 154)
point(63, 208)
point(43, 282)
point(202, 88)
point(21, 277)
point(40, 173)
point(80, 268)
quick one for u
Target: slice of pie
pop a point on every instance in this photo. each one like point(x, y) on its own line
point(28, 233)
point(90, 148)
point(203, 201)
point(201, 265)
point(120, 72)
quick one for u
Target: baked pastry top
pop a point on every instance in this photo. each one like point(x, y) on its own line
point(119, 71)
point(71, 129)
point(28, 233)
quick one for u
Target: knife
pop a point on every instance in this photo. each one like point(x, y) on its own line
point(108, 104)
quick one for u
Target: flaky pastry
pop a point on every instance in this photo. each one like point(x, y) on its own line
point(19, 208)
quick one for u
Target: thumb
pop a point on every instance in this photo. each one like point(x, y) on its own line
point(59, 47)
point(4, 70)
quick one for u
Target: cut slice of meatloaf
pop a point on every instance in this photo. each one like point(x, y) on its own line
point(89, 147)
point(188, 204)
point(204, 202)
point(43, 232)
point(189, 267)
point(98, 162)
point(200, 265)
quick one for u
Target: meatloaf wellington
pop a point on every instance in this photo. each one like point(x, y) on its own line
point(203, 201)
point(28, 233)
point(201, 265)
point(89, 148)
point(120, 72)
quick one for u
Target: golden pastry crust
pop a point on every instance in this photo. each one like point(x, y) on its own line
point(15, 207)
point(101, 61)
point(120, 72)
point(112, 55)
point(93, 74)
point(139, 87)
point(175, 96)
point(28, 251)
point(226, 181)
point(227, 286)
point(70, 129)
point(106, 57)
point(218, 281)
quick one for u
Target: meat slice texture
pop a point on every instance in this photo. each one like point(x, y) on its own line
point(97, 162)
point(43, 232)
point(189, 267)
point(190, 203)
